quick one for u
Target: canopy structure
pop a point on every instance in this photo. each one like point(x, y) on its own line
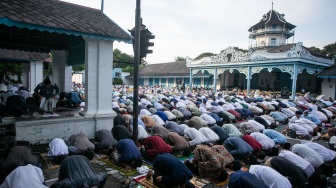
point(293, 59)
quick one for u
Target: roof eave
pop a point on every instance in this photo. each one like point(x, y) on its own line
point(8, 22)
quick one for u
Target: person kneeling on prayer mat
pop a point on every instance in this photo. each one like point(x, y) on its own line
point(169, 171)
point(153, 146)
point(58, 150)
point(80, 144)
point(241, 179)
point(18, 156)
point(25, 176)
point(127, 154)
point(296, 176)
point(210, 162)
point(76, 171)
point(239, 149)
point(179, 145)
point(105, 140)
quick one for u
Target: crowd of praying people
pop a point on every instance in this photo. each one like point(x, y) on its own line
point(223, 131)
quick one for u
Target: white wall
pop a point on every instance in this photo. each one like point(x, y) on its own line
point(126, 81)
point(328, 88)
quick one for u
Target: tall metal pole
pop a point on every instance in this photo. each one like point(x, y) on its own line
point(137, 60)
point(102, 6)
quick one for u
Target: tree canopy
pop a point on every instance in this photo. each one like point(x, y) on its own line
point(205, 54)
point(125, 61)
point(180, 58)
point(329, 50)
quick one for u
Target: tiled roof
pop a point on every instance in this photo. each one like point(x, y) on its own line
point(329, 72)
point(272, 17)
point(61, 15)
point(165, 69)
point(17, 55)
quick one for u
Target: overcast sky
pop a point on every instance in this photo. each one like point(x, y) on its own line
point(191, 27)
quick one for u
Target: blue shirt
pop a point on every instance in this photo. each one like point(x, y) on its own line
point(240, 179)
point(277, 117)
point(312, 118)
point(222, 134)
point(171, 169)
point(238, 147)
point(127, 150)
point(277, 137)
point(216, 117)
point(162, 115)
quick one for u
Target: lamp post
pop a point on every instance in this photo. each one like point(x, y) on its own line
point(137, 60)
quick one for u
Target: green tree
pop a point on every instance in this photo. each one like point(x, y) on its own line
point(180, 58)
point(205, 54)
point(117, 81)
point(125, 61)
point(329, 50)
point(10, 68)
point(78, 68)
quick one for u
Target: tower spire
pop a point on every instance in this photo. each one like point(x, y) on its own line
point(272, 4)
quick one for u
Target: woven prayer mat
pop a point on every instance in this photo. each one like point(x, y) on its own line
point(199, 182)
point(190, 157)
point(111, 163)
point(50, 164)
point(143, 182)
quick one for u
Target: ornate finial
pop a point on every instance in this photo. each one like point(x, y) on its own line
point(272, 4)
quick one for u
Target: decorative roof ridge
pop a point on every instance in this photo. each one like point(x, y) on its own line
point(281, 19)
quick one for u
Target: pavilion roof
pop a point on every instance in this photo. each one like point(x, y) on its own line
point(270, 18)
point(329, 72)
point(178, 68)
point(60, 17)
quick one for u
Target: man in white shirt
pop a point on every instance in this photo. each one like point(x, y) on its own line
point(209, 134)
point(260, 126)
point(308, 154)
point(232, 130)
point(269, 176)
point(265, 141)
point(210, 120)
point(326, 153)
point(57, 147)
point(298, 161)
point(194, 136)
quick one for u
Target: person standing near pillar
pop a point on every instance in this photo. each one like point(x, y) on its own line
point(48, 94)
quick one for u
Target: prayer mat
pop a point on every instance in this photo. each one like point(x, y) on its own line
point(111, 163)
point(143, 182)
point(50, 164)
point(190, 157)
point(50, 182)
point(199, 182)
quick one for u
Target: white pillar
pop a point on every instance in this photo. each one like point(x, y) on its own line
point(61, 72)
point(98, 79)
point(248, 77)
point(215, 80)
point(25, 75)
point(294, 77)
point(35, 75)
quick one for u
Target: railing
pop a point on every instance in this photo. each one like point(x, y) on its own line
point(270, 44)
point(286, 31)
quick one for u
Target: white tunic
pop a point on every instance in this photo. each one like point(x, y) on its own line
point(195, 136)
point(209, 134)
point(23, 177)
point(158, 120)
point(57, 147)
point(142, 132)
point(270, 177)
point(210, 120)
point(261, 127)
point(299, 130)
point(326, 153)
point(309, 154)
point(232, 130)
point(264, 140)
